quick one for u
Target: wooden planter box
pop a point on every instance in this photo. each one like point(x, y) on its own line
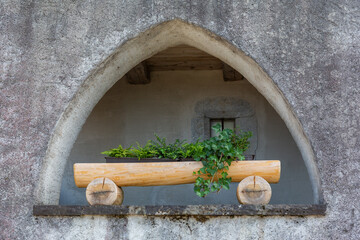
point(155, 173)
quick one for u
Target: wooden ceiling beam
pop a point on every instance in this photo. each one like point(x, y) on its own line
point(184, 64)
point(181, 57)
point(231, 74)
point(139, 74)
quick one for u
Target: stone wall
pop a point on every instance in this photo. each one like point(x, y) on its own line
point(310, 50)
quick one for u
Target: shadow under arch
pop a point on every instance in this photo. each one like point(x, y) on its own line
point(134, 51)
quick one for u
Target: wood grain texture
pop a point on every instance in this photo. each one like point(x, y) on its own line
point(183, 57)
point(168, 173)
point(103, 191)
point(184, 64)
point(254, 190)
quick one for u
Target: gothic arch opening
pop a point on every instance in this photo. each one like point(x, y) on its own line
point(130, 54)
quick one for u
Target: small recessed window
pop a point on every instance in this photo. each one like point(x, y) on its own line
point(225, 123)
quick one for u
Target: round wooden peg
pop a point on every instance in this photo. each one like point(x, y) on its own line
point(254, 190)
point(103, 191)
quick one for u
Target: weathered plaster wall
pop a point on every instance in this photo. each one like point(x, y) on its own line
point(310, 49)
point(129, 113)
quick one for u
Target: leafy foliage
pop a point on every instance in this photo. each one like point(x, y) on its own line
point(147, 151)
point(118, 152)
point(157, 149)
point(216, 155)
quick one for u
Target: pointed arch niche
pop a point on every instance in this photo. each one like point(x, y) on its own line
point(133, 52)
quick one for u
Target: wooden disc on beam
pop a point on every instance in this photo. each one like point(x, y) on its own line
point(254, 190)
point(103, 191)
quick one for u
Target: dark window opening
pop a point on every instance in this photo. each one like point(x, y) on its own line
point(226, 123)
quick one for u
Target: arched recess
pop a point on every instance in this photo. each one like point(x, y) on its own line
point(134, 51)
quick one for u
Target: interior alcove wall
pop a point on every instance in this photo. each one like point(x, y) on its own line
point(129, 113)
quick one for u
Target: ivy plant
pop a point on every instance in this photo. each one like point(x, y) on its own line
point(216, 156)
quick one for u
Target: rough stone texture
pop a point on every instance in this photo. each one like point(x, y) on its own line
point(183, 210)
point(310, 49)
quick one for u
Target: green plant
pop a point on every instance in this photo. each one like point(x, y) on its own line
point(118, 152)
point(177, 150)
point(148, 151)
point(217, 155)
point(158, 149)
point(191, 149)
point(172, 150)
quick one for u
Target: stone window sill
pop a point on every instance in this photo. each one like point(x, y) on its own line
point(176, 210)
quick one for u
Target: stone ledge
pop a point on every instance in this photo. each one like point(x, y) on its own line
point(176, 210)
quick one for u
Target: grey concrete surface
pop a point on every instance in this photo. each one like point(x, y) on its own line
point(310, 49)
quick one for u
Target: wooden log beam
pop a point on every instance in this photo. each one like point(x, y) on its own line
point(231, 74)
point(168, 173)
point(254, 190)
point(139, 74)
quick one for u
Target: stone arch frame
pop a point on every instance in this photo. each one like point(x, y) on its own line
point(131, 53)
